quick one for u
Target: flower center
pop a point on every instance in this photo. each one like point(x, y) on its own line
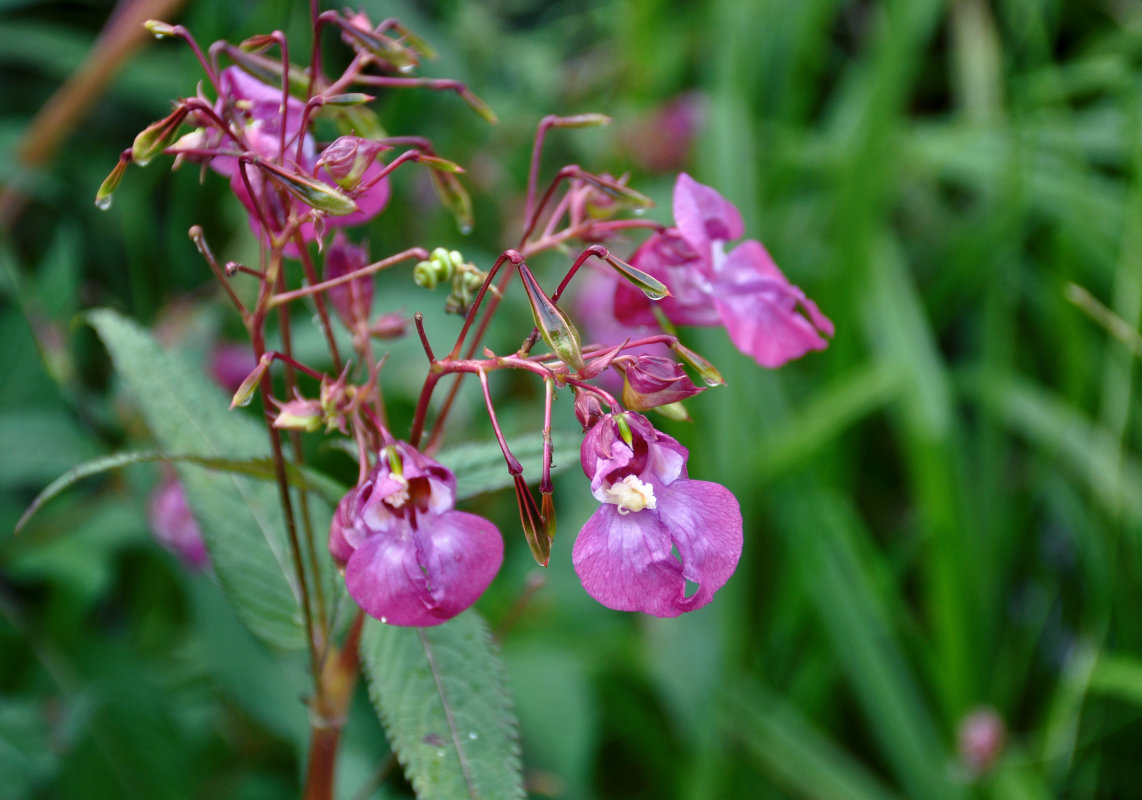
point(630, 494)
point(398, 498)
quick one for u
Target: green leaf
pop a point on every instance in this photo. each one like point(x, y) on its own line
point(38, 445)
point(240, 518)
point(440, 694)
point(795, 755)
point(479, 466)
point(260, 468)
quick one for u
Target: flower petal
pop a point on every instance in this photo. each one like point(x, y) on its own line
point(759, 308)
point(426, 576)
point(627, 561)
point(703, 215)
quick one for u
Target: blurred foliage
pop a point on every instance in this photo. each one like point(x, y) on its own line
point(943, 510)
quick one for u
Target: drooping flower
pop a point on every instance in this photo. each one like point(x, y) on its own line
point(173, 525)
point(353, 300)
point(765, 315)
point(660, 542)
point(410, 558)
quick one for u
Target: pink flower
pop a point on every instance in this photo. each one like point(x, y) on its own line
point(254, 111)
point(765, 315)
point(409, 557)
point(174, 527)
point(353, 300)
point(660, 542)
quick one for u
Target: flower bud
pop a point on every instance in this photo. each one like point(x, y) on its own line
point(708, 372)
point(554, 326)
point(299, 414)
point(650, 286)
point(347, 158)
point(455, 198)
point(652, 381)
point(245, 391)
point(156, 137)
point(588, 409)
point(535, 528)
point(393, 325)
point(110, 184)
point(364, 40)
point(313, 193)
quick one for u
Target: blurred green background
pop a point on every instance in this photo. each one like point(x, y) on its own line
point(942, 510)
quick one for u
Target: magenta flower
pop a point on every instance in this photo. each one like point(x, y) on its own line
point(255, 114)
point(353, 300)
point(173, 525)
point(409, 557)
point(765, 315)
point(660, 542)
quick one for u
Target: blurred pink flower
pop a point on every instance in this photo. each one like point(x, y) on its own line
point(173, 525)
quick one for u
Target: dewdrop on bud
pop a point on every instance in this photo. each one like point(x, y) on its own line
point(160, 30)
point(111, 183)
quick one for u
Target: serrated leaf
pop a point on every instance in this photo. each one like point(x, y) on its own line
point(240, 518)
point(479, 466)
point(440, 694)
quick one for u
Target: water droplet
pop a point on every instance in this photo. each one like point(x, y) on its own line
point(465, 229)
point(638, 211)
point(103, 203)
point(384, 620)
point(440, 753)
point(473, 735)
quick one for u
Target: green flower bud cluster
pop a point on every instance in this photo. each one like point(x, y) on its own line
point(449, 266)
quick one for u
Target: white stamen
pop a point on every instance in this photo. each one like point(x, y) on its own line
point(400, 496)
point(630, 494)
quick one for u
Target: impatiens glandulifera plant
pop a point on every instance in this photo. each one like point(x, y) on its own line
point(660, 542)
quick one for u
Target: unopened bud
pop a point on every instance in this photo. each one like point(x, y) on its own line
point(111, 183)
point(389, 326)
point(653, 381)
point(160, 30)
point(532, 521)
point(584, 120)
point(246, 388)
point(299, 414)
point(313, 193)
point(455, 198)
point(647, 284)
point(588, 409)
point(380, 46)
point(707, 371)
point(347, 158)
point(479, 106)
point(619, 191)
point(156, 137)
point(553, 325)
